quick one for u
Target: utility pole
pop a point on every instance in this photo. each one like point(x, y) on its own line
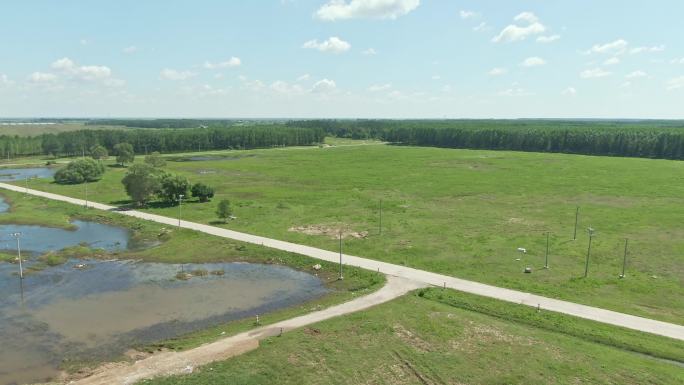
point(586, 264)
point(180, 204)
point(380, 221)
point(624, 260)
point(546, 259)
point(86, 193)
point(21, 267)
point(340, 237)
point(27, 184)
point(574, 236)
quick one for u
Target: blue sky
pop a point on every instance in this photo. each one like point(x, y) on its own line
point(343, 58)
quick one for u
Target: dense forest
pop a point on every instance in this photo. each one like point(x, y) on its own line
point(647, 139)
point(162, 140)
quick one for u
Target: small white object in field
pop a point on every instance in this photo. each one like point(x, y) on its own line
point(317, 266)
point(522, 250)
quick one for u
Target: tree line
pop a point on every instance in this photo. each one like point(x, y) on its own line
point(145, 141)
point(646, 139)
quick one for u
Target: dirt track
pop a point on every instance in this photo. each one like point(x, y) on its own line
point(170, 363)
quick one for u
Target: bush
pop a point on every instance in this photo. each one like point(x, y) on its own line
point(155, 160)
point(202, 192)
point(79, 171)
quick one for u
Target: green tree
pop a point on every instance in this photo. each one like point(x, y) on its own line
point(98, 152)
point(172, 187)
point(155, 160)
point(142, 182)
point(79, 171)
point(202, 192)
point(51, 145)
point(124, 153)
point(223, 210)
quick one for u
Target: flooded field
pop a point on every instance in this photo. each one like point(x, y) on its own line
point(90, 309)
point(14, 174)
point(64, 313)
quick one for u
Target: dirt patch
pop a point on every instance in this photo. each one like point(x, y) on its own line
point(411, 339)
point(329, 231)
point(477, 334)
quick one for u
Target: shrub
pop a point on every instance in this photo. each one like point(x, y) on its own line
point(79, 171)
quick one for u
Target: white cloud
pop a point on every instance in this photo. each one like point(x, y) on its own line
point(548, 39)
point(513, 32)
point(94, 72)
point(594, 73)
point(498, 71)
point(304, 77)
point(171, 74)
point(533, 61)
point(282, 87)
point(4, 80)
point(677, 61)
point(370, 9)
point(64, 64)
point(467, 14)
point(370, 51)
point(379, 87)
point(333, 45)
point(636, 75)
point(570, 91)
point(230, 63)
point(481, 27)
point(676, 83)
point(612, 61)
point(42, 77)
point(130, 50)
point(515, 91)
point(88, 73)
point(656, 48)
point(436, 77)
point(324, 86)
point(84, 41)
point(626, 84)
point(616, 47)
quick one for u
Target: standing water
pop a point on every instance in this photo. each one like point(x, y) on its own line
point(71, 313)
point(15, 174)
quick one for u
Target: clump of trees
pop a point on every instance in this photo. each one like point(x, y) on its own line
point(80, 171)
point(124, 153)
point(144, 183)
point(202, 192)
point(155, 159)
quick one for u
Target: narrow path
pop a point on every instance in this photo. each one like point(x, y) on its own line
point(174, 363)
point(588, 312)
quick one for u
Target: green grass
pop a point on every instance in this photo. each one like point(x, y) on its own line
point(462, 213)
point(422, 339)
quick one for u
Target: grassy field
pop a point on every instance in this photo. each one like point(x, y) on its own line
point(173, 248)
point(422, 338)
point(461, 212)
point(38, 129)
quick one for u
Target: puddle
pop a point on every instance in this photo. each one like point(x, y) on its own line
point(101, 311)
point(40, 239)
point(15, 174)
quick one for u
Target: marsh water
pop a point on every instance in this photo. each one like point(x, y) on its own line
point(15, 174)
point(98, 311)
